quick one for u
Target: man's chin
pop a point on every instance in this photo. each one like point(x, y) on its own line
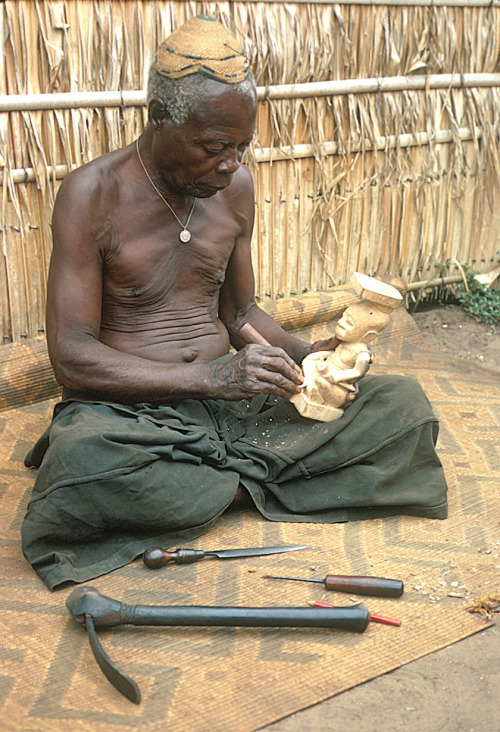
point(204, 190)
point(205, 193)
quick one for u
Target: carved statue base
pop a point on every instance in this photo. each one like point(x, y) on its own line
point(312, 410)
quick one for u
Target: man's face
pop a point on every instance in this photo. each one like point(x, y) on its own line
point(200, 157)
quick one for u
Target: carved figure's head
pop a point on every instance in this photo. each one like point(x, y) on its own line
point(362, 321)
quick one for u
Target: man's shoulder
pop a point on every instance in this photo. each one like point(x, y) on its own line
point(242, 183)
point(243, 177)
point(239, 196)
point(97, 176)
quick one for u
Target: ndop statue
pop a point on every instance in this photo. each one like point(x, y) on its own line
point(329, 375)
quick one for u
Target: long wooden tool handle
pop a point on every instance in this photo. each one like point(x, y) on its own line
point(354, 618)
point(253, 336)
point(94, 611)
point(375, 586)
point(107, 613)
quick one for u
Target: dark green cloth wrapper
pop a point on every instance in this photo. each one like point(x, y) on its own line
point(115, 479)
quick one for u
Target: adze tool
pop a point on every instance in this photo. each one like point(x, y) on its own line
point(95, 611)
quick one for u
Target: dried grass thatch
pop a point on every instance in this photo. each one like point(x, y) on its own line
point(390, 178)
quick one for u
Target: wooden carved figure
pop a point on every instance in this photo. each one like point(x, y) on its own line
point(330, 376)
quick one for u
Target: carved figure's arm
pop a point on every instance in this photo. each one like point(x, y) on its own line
point(359, 369)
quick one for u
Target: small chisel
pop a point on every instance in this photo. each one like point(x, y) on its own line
point(376, 586)
point(155, 557)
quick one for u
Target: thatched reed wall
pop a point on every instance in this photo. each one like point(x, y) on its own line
point(388, 176)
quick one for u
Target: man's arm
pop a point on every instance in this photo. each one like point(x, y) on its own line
point(80, 360)
point(238, 306)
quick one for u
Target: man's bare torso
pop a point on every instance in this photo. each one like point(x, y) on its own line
point(133, 313)
point(160, 296)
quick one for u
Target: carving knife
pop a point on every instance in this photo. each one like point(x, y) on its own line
point(155, 557)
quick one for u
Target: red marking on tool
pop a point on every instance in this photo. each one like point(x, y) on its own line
point(375, 618)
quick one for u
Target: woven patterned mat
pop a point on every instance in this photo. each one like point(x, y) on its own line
point(240, 679)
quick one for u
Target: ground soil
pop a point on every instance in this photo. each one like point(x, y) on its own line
point(453, 690)
point(456, 689)
point(449, 329)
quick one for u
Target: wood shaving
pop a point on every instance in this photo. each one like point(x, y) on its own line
point(486, 606)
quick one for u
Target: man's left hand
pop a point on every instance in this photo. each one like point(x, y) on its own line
point(329, 344)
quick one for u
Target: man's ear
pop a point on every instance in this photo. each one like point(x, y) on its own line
point(157, 113)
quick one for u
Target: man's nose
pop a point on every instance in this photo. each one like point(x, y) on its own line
point(230, 162)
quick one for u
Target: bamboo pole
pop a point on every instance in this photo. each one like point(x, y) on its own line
point(74, 100)
point(436, 282)
point(71, 100)
point(383, 84)
point(402, 3)
point(382, 143)
point(291, 152)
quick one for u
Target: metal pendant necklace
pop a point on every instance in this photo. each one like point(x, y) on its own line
point(185, 234)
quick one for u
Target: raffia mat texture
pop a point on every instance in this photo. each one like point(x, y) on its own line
point(240, 679)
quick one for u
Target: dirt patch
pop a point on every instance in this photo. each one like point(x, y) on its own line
point(449, 329)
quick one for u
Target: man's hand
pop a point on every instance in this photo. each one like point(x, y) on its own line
point(257, 370)
point(351, 395)
point(329, 344)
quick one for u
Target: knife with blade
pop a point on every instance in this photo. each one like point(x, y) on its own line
point(155, 557)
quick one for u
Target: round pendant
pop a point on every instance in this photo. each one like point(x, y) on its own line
point(185, 236)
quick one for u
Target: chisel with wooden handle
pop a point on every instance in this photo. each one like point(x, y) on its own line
point(375, 586)
point(155, 557)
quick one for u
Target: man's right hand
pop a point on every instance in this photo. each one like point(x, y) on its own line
point(257, 370)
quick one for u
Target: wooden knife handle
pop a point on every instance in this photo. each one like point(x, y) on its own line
point(376, 586)
point(156, 557)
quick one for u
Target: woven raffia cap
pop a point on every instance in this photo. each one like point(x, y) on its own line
point(202, 45)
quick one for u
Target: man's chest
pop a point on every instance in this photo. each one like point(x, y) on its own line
point(150, 263)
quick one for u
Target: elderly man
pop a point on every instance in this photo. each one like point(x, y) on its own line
point(150, 281)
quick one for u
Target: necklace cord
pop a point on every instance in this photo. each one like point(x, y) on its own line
point(185, 235)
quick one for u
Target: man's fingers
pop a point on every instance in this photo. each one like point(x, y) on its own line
point(276, 360)
point(284, 369)
point(329, 344)
point(257, 369)
point(280, 385)
point(269, 377)
point(351, 396)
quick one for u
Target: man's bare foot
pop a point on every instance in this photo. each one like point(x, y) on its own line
point(241, 498)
